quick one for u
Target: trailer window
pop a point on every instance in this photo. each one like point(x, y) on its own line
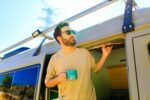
point(24, 83)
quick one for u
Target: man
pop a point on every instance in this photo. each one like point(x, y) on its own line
point(71, 57)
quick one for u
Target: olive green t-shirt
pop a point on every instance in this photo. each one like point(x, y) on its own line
point(80, 60)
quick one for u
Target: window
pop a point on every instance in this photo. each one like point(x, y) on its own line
point(24, 83)
point(19, 84)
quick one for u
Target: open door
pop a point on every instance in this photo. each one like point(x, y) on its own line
point(138, 58)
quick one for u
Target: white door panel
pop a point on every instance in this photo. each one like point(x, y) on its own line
point(138, 60)
point(142, 65)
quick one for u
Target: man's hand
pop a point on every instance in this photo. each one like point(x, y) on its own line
point(62, 77)
point(57, 80)
point(106, 49)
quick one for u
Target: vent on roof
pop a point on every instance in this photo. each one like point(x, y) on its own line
point(17, 51)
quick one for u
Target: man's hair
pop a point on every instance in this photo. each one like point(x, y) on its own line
point(57, 31)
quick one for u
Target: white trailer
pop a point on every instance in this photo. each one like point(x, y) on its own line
point(125, 75)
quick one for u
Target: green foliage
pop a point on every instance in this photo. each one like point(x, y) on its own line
point(6, 82)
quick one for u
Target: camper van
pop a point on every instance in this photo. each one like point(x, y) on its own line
point(125, 75)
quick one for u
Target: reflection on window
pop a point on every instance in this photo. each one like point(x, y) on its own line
point(5, 84)
point(24, 82)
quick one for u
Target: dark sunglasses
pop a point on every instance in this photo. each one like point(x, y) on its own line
point(69, 32)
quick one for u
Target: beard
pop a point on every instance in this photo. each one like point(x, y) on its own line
point(69, 42)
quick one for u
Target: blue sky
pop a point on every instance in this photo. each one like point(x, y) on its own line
point(19, 18)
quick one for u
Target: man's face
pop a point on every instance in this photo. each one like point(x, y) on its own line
point(68, 38)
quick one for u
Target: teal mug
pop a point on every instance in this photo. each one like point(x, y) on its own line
point(72, 74)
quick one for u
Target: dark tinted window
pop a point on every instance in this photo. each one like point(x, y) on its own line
point(24, 83)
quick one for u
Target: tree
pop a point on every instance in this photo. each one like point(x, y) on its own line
point(6, 82)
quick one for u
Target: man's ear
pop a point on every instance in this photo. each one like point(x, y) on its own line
point(59, 39)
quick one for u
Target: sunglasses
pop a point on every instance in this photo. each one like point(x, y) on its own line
point(69, 32)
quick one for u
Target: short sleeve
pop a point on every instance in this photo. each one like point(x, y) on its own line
point(51, 73)
point(92, 61)
point(93, 64)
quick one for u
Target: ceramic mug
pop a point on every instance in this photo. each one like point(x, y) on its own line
point(72, 74)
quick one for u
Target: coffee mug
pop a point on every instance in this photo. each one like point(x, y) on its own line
point(72, 74)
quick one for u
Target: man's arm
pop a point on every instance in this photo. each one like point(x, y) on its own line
point(106, 51)
point(55, 81)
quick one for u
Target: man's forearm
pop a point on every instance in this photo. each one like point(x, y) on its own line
point(100, 64)
point(52, 82)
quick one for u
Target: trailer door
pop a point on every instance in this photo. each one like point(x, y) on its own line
point(138, 57)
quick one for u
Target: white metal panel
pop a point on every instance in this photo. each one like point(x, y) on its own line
point(138, 64)
point(142, 65)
